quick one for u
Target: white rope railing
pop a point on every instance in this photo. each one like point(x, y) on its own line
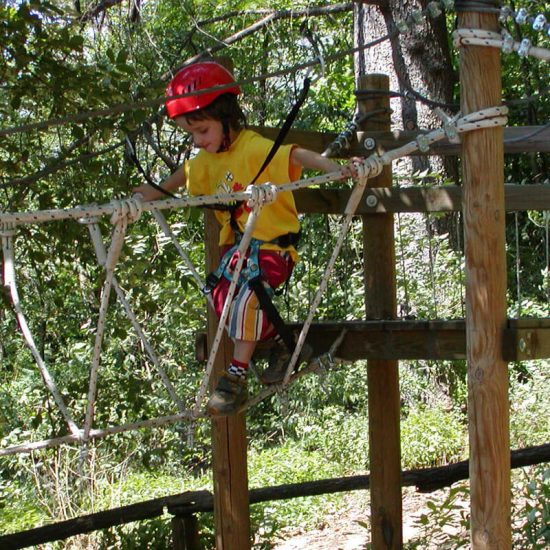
point(124, 212)
point(188, 416)
point(95, 234)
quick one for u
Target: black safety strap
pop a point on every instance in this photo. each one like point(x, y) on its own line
point(287, 124)
point(272, 314)
point(132, 152)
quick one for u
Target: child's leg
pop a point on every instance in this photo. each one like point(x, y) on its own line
point(247, 324)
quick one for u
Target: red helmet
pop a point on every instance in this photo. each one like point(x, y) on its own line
point(199, 76)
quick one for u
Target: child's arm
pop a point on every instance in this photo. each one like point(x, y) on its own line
point(171, 183)
point(314, 161)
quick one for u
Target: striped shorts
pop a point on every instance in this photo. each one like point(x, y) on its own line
point(246, 320)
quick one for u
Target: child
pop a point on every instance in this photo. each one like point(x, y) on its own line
point(229, 159)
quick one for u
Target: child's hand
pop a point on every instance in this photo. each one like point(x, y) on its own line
point(147, 192)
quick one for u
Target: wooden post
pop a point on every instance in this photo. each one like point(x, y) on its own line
point(484, 236)
point(231, 509)
point(185, 533)
point(382, 375)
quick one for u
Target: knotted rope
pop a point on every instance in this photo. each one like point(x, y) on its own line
point(504, 41)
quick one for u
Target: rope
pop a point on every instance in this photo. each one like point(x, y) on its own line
point(123, 212)
point(365, 171)
point(95, 234)
point(161, 220)
point(504, 41)
point(98, 434)
point(322, 362)
point(7, 233)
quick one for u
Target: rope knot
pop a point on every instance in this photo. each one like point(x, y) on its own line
point(261, 195)
point(7, 229)
point(130, 209)
point(370, 168)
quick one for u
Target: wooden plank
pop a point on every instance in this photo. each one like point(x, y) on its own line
point(514, 138)
point(382, 374)
point(485, 253)
point(446, 198)
point(526, 343)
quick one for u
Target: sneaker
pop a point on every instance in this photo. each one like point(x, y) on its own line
point(229, 395)
point(279, 358)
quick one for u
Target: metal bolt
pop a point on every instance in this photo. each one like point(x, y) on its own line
point(371, 201)
point(369, 144)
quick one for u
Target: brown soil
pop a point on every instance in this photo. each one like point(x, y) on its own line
point(348, 528)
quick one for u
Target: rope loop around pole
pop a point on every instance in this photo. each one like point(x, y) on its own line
point(370, 168)
point(261, 194)
point(130, 209)
point(7, 230)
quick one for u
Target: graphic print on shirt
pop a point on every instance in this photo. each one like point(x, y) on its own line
point(228, 185)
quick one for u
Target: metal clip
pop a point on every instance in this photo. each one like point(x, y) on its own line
point(524, 47)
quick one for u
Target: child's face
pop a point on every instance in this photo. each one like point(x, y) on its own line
point(207, 134)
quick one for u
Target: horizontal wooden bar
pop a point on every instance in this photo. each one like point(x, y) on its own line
point(514, 141)
point(446, 198)
point(522, 344)
point(412, 339)
point(184, 504)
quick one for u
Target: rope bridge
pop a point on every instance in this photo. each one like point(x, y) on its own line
point(124, 212)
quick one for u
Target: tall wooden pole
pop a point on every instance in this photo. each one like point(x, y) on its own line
point(484, 236)
point(229, 460)
point(382, 375)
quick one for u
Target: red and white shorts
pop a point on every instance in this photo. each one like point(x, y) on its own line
point(246, 320)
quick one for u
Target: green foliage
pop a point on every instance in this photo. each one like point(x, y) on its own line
point(529, 406)
point(531, 527)
point(289, 464)
point(446, 522)
point(431, 437)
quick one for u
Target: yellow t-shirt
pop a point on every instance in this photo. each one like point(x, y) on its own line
point(233, 170)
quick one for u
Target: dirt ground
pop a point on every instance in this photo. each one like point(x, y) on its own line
point(348, 529)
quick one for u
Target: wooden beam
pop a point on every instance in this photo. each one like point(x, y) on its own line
point(446, 198)
point(185, 504)
point(485, 253)
point(515, 138)
point(413, 339)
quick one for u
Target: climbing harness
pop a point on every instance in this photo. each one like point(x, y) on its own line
point(251, 272)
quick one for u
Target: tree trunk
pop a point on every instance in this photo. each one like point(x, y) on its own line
point(418, 60)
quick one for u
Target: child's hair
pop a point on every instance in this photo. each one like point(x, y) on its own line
point(224, 108)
